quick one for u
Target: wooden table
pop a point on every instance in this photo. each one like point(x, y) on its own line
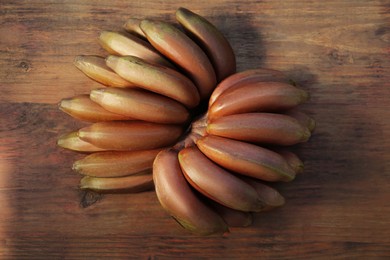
point(339, 208)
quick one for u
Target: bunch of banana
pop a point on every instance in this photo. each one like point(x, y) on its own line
point(173, 114)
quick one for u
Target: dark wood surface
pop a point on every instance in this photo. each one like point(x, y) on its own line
point(338, 208)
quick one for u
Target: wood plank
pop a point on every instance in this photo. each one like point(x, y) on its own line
point(338, 208)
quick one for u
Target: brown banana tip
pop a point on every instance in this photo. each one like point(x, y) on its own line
point(289, 178)
point(305, 95)
point(300, 168)
point(281, 201)
point(305, 135)
point(312, 124)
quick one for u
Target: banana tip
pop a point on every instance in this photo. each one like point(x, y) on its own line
point(312, 124)
point(112, 60)
point(96, 94)
point(103, 34)
point(78, 61)
point(60, 142)
point(76, 166)
point(305, 96)
point(64, 104)
point(145, 24)
point(305, 135)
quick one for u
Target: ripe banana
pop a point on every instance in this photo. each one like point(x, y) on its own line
point(270, 197)
point(158, 79)
point(129, 184)
point(257, 97)
point(209, 173)
point(83, 108)
point(216, 183)
point(246, 77)
point(126, 44)
point(130, 135)
point(303, 119)
point(177, 198)
point(141, 104)
point(267, 128)
point(232, 217)
point(116, 163)
point(95, 68)
point(132, 26)
point(180, 49)
point(247, 159)
point(212, 41)
point(71, 141)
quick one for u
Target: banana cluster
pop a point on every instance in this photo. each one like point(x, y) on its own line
point(174, 114)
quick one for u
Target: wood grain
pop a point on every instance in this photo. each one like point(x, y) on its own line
point(338, 208)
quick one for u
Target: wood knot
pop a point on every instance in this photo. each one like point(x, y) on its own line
point(340, 58)
point(89, 198)
point(25, 66)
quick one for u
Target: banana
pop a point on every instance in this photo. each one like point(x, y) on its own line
point(83, 108)
point(257, 97)
point(216, 183)
point(212, 41)
point(158, 79)
point(267, 128)
point(292, 159)
point(132, 26)
point(141, 104)
point(270, 197)
point(232, 217)
point(247, 77)
point(246, 159)
point(303, 119)
point(72, 142)
point(126, 44)
point(95, 68)
point(131, 184)
point(180, 49)
point(130, 135)
point(177, 198)
point(115, 163)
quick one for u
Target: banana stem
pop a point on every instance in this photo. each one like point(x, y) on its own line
point(196, 130)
